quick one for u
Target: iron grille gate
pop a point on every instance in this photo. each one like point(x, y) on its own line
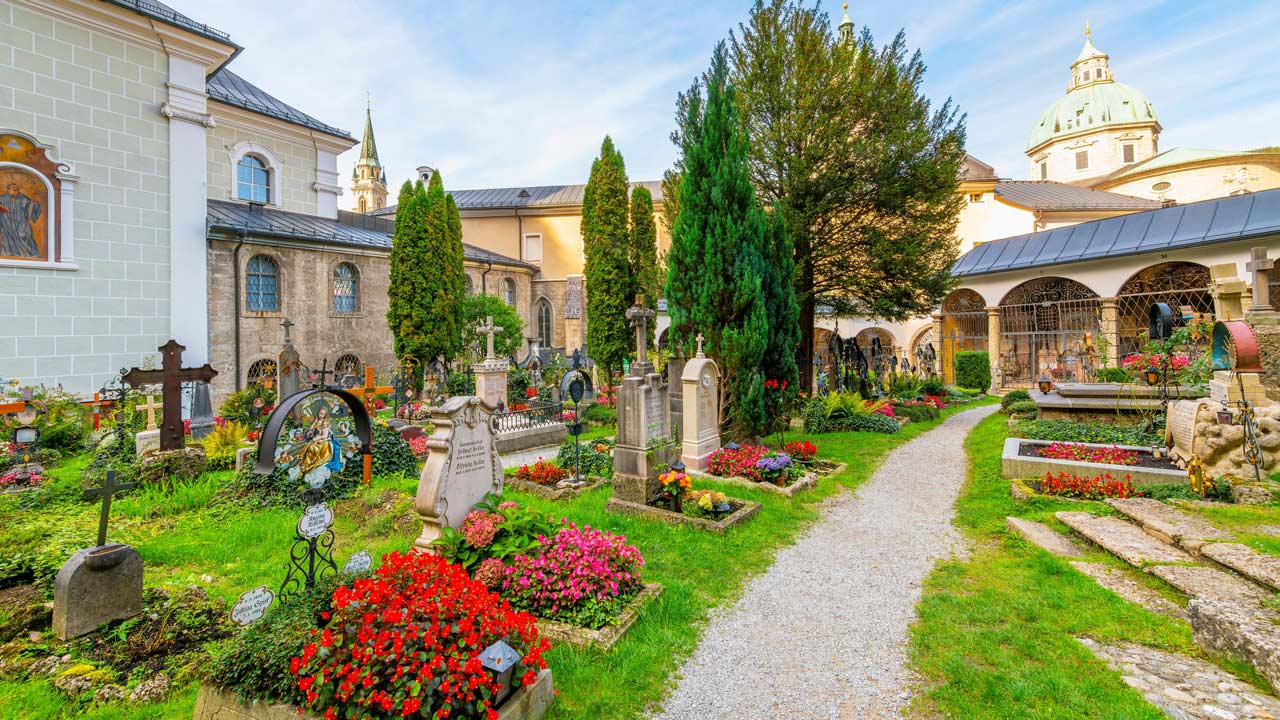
point(1175, 284)
point(1048, 326)
point(964, 327)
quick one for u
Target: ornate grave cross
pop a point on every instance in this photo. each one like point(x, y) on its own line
point(286, 325)
point(489, 329)
point(370, 389)
point(700, 340)
point(170, 377)
point(1261, 266)
point(319, 376)
point(151, 406)
point(106, 492)
point(639, 316)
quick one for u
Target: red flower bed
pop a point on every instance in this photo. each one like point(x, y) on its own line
point(1084, 453)
point(802, 450)
point(419, 445)
point(543, 472)
point(408, 639)
point(1097, 488)
point(935, 401)
point(737, 463)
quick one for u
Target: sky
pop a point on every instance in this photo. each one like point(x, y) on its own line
point(520, 94)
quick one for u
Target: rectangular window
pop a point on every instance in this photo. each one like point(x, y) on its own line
point(1082, 160)
point(1128, 152)
point(975, 197)
point(532, 251)
point(1044, 171)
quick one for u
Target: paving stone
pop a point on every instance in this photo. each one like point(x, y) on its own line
point(1122, 539)
point(1121, 583)
point(1200, 690)
point(1043, 536)
point(1211, 583)
point(1240, 630)
point(1167, 523)
point(1258, 567)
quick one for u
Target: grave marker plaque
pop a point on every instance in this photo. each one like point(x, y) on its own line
point(252, 605)
point(462, 466)
point(1180, 428)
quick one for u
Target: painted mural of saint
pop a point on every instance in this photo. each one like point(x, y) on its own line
point(18, 217)
point(321, 447)
point(318, 449)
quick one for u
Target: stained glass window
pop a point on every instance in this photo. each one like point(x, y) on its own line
point(262, 285)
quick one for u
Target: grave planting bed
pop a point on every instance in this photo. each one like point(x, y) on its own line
point(601, 638)
point(551, 492)
point(1019, 460)
point(742, 511)
point(807, 481)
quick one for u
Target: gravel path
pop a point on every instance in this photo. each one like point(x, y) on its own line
point(823, 633)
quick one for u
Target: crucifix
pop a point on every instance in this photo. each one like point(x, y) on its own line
point(170, 378)
point(318, 377)
point(639, 315)
point(1261, 266)
point(489, 329)
point(370, 389)
point(286, 325)
point(151, 406)
point(109, 488)
point(700, 340)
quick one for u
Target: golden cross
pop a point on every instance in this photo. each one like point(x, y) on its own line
point(151, 406)
point(1087, 30)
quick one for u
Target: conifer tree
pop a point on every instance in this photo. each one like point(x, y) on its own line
point(610, 286)
point(778, 362)
point(642, 249)
point(446, 286)
point(719, 245)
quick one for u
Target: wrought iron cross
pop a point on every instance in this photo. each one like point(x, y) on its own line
point(1261, 266)
point(319, 377)
point(286, 325)
point(489, 329)
point(639, 316)
point(170, 377)
point(106, 492)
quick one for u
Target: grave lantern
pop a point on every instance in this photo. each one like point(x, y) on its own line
point(1153, 376)
point(501, 662)
point(1046, 385)
point(25, 440)
point(1225, 417)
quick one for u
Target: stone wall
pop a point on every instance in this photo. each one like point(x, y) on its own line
point(95, 98)
point(1267, 330)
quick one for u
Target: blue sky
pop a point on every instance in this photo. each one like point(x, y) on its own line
point(514, 94)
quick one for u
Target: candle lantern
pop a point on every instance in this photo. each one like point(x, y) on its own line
point(501, 662)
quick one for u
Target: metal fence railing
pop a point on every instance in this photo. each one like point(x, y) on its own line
point(537, 414)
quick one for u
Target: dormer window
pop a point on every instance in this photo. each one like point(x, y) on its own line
point(253, 182)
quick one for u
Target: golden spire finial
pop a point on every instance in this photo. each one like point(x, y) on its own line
point(846, 7)
point(368, 100)
point(1087, 30)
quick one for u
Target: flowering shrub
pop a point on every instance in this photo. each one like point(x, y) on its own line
point(674, 482)
point(885, 409)
point(568, 416)
point(707, 504)
point(1096, 488)
point(1084, 453)
point(530, 393)
point(737, 463)
point(406, 642)
point(802, 451)
point(22, 476)
point(1140, 363)
point(494, 529)
point(935, 401)
point(413, 410)
point(419, 445)
point(543, 472)
point(774, 468)
point(480, 527)
point(581, 576)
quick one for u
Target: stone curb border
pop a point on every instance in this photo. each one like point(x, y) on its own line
point(749, 508)
point(1015, 465)
point(553, 493)
point(795, 488)
point(606, 637)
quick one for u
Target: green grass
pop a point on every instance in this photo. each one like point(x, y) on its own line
point(229, 549)
point(995, 636)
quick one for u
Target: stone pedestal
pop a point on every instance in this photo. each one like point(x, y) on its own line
point(1225, 387)
point(1228, 292)
point(146, 441)
point(1266, 328)
point(700, 426)
point(644, 427)
point(491, 382)
point(96, 586)
point(462, 466)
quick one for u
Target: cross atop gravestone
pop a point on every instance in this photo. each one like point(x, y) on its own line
point(106, 492)
point(1261, 266)
point(151, 406)
point(639, 316)
point(319, 378)
point(170, 377)
point(700, 340)
point(286, 325)
point(489, 329)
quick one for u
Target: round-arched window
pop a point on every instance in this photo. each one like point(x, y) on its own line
point(253, 181)
point(509, 291)
point(262, 284)
point(263, 373)
point(346, 286)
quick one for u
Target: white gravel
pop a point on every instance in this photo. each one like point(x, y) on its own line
point(823, 633)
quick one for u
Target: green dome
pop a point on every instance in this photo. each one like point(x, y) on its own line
point(1091, 107)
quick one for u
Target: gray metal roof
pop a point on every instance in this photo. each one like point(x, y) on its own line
point(1239, 217)
point(225, 86)
point(525, 197)
point(169, 16)
point(1050, 195)
point(230, 216)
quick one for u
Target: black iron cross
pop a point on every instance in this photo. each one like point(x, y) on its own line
point(319, 376)
point(170, 377)
point(106, 492)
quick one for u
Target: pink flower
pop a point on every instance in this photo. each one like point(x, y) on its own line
point(491, 572)
point(480, 527)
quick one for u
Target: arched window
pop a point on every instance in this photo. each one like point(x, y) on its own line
point(346, 288)
point(509, 291)
point(348, 365)
point(364, 205)
point(253, 181)
point(544, 323)
point(471, 288)
point(262, 285)
point(263, 373)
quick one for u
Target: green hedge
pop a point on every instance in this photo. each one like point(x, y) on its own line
point(973, 369)
point(1086, 432)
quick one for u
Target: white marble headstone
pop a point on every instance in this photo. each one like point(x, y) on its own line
point(462, 466)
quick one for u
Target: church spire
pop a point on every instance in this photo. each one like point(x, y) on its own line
point(369, 178)
point(1091, 65)
point(846, 27)
point(368, 148)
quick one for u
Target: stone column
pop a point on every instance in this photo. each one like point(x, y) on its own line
point(1111, 330)
point(1228, 292)
point(993, 344)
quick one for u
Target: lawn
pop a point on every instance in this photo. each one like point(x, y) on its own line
point(995, 635)
point(229, 549)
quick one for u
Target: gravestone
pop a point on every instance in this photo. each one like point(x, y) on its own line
point(644, 422)
point(148, 439)
point(462, 466)
point(288, 365)
point(700, 428)
point(99, 584)
point(675, 389)
point(202, 420)
point(491, 373)
point(1181, 429)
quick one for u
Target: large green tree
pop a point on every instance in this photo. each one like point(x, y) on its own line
point(719, 246)
point(476, 309)
point(642, 249)
point(611, 288)
point(777, 285)
point(863, 168)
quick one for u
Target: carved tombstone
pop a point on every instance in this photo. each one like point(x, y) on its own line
point(644, 424)
point(700, 429)
point(491, 373)
point(461, 468)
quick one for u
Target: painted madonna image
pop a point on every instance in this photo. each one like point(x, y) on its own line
point(321, 446)
point(26, 210)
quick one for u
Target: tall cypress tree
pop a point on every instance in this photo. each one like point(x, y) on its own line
point(719, 249)
point(445, 287)
point(610, 286)
point(642, 249)
point(406, 304)
point(778, 287)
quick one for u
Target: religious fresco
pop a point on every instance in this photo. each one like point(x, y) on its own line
point(323, 443)
point(27, 208)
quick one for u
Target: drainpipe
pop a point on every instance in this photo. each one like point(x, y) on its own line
point(484, 287)
point(241, 233)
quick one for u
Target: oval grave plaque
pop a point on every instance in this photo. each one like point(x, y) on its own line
point(360, 562)
point(252, 605)
point(315, 520)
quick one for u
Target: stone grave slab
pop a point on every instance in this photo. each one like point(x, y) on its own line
point(146, 441)
point(1167, 523)
point(462, 466)
point(1121, 583)
point(1122, 539)
point(1211, 583)
point(96, 586)
point(1258, 567)
point(1043, 537)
